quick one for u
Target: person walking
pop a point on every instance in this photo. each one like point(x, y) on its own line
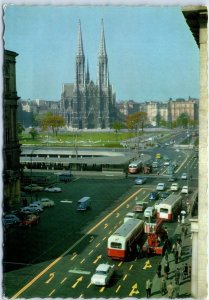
point(186, 269)
point(170, 290)
point(148, 288)
point(163, 288)
point(182, 231)
point(159, 268)
point(166, 270)
point(176, 256)
point(166, 254)
point(177, 276)
point(179, 249)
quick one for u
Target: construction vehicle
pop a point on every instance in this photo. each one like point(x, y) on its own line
point(157, 238)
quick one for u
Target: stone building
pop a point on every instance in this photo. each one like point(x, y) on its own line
point(197, 18)
point(179, 106)
point(85, 104)
point(11, 146)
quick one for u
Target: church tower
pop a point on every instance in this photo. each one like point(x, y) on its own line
point(79, 101)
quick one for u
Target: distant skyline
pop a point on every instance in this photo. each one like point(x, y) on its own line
point(152, 54)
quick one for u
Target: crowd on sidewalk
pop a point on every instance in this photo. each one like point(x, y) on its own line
point(173, 273)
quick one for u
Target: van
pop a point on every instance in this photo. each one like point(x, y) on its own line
point(83, 203)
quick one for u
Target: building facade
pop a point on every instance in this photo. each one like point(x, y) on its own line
point(11, 146)
point(85, 104)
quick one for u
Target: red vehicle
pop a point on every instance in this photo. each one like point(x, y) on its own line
point(135, 167)
point(29, 220)
point(157, 237)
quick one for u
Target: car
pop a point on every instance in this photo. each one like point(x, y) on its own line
point(29, 210)
point(185, 189)
point(33, 188)
point(36, 206)
point(140, 180)
point(161, 186)
point(140, 206)
point(10, 219)
point(164, 195)
point(46, 202)
point(174, 187)
point(149, 212)
point(103, 274)
point(29, 220)
point(53, 189)
point(172, 178)
point(38, 203)
point(153, 196)
point(166, 163)
point(184, 176)
point(131, 215)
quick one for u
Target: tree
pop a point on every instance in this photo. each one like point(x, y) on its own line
point(52, 121)
point(20, 128)
point(136, 120)
point(158, 119)
point(33, 132)
point(183, 120)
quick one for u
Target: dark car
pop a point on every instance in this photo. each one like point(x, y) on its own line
point(153, 196)
point(164, 195)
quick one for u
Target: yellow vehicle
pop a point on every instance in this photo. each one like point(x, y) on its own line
point(158, 156)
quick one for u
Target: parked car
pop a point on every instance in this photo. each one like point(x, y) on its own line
point(164, 195)
point(53, 189)
point(29, 210)
point(103, 274)
point(46, 202)
point(36, 206)
point(161, 186)
point(29, 220)
point(184, 176)
point(149, 212)
point(33, 188)
point(167, 163)
point(38, 203)
point(174, 187)
point(153, 196)
point(140, 206)
point(140, 180)
point(185, 189)
point(10, 220)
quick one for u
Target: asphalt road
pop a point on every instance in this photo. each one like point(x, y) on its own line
point(57, 257)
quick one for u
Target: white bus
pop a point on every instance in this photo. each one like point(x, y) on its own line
point(123, 241)
point(135, 167)
point(169, 208)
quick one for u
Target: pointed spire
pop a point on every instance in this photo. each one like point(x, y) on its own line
point(102, 47)
point(87, 73)
point(80, 51)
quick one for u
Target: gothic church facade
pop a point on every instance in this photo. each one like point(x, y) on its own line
point(85, 104)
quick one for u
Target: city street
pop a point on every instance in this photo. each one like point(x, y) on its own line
point(57, 257)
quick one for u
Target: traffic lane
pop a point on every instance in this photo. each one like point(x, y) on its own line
point(26, 288)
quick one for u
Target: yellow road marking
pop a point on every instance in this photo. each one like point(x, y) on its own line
point(97, 245)
point(73, 246)
point(77, 282)
point(51, 276)
point(130, 267)
point(102, 289)
point(118, 288)
point(104, 238)
point(134, 290)
point(124, 278)
point(88, 285)
point(147, 265)
point(96, 260)
point(63, 280)
point(82, 260)
point(52, 292)
point(74, 256)
point(120, 263)
point(91, 252)
point(110, 232)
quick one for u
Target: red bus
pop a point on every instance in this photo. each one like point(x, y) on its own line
point(135, 167)
point(123, 241)
point(169, 208)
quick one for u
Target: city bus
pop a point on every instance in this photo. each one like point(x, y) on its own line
point(123, 241)
point(135, 167)
point(169, 208)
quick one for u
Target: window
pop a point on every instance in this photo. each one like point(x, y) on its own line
point(116, 245)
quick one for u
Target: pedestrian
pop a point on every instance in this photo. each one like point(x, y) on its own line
point(182, 272)
point(189, 271)
point(176, 256)
point(179, 249)
point(166, 270)
point(182, 231)
point(170, 290)
point(179, 219)
point(186, 269)
point(148, 288)
point(173, 248)
point(159, 268)
point(163, 288)
point(186, 231)
point(177, 276)
point(176, 290)
point(166, 254)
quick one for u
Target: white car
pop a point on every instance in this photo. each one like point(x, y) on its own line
point(36, 207)
point(161, 187)
point(130, 215)
point(53, 189)
point(46, 202)
point(103, 274)
point(184, 176)
point(149, 212)
point(167, 163)
point(174, 187)
point(29, 210)
point(185, 189)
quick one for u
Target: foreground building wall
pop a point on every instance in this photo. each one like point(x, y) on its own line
point(196, 18)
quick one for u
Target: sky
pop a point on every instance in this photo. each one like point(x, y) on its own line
point(152, 54)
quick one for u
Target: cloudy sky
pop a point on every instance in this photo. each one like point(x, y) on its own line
point(152, 54)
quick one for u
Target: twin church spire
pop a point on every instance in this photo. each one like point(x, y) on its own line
point(102, 67)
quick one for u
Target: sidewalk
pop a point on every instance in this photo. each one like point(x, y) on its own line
point(185, 284)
